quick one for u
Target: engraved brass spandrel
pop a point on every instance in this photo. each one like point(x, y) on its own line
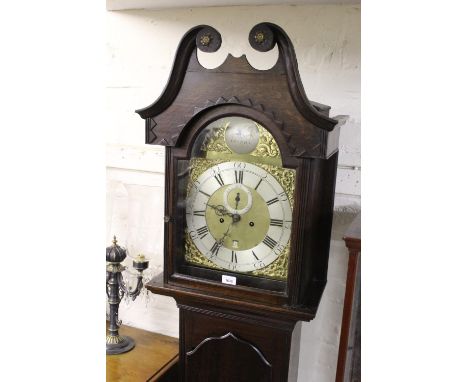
point(215, 142)
point(278, 269)
point(286, 177)
point(267, 146)
point(194, 256)
point(199, 165)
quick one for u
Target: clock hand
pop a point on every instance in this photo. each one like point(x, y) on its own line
point(220, 210)
point(221, 241)
point(237, 199)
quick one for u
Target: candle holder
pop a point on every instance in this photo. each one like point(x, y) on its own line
point(116, 290)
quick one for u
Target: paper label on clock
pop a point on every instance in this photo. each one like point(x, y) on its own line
point(231, 280)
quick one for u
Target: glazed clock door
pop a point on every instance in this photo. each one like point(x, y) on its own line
point(238, 202)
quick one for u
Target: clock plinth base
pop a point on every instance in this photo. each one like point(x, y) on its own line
point(244, 347)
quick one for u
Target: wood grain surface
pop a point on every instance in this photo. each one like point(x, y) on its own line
point(351, 305)
point(153, 356)
point(303, 127)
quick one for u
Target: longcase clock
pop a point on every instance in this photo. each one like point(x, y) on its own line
point(250, 177)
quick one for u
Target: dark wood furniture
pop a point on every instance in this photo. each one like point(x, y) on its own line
point(222, 343)
point(249, 331)
point(349, 354)
point(154, 359)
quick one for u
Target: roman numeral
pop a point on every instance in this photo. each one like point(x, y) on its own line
point(204, 193)
point(269, 242)
point(202, 231)
point(270, 202)
point(219, 179)
point(276, 222)
point(258, 184)
point(254, 255)
point(239, 176)
point(234, 257)
point(199, 213)
point(215, 248)
point(283, 196)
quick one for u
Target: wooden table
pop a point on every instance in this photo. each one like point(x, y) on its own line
point(154, 358)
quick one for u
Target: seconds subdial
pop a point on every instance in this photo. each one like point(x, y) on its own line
point(237, 199)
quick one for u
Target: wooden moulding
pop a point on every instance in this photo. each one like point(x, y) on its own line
point(193, 89)
point(184, 295)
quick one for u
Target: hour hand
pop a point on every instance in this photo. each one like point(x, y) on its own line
point(220, 210)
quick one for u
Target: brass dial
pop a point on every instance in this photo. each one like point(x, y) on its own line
point(225, 231)
point(239, 200)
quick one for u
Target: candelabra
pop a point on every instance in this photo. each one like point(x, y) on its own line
point(116, 289)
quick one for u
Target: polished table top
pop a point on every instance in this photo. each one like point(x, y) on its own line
point(152, 355)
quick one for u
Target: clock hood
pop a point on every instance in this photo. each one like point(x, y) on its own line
point(303, 126)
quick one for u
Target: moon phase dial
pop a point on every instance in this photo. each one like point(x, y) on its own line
point(242, 135)
point(237, 198)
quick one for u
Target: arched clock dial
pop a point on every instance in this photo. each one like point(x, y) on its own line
point(239, 216)
point(239, 200)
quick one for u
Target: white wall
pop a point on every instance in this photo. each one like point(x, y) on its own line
point(140, 50)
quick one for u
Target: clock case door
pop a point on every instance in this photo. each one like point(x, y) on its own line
point(307, 138)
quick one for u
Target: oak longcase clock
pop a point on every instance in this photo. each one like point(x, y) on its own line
point(250, 175)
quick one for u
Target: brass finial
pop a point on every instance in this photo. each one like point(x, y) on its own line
point(205, 40)
point(114, 241)
point(259, 37)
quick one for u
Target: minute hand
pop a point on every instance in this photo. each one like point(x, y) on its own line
point(221, 241)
